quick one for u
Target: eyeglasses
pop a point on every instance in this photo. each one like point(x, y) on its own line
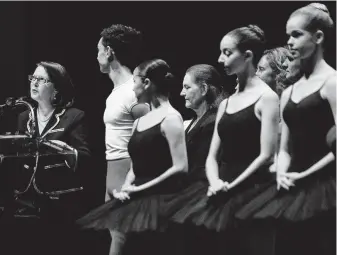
point(40, 80)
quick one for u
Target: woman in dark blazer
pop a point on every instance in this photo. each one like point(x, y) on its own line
point(203, 92)
point(57, 193)
point(55, 120)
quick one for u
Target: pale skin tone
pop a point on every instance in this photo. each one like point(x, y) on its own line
point(194, 95)
point(250, 89)
point(42, 91)
point(291, 66)
point(118, 74)
point(316, 70)
point(171, 128)
point(265, 72)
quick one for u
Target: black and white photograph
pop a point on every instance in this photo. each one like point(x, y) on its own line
point(168, 127)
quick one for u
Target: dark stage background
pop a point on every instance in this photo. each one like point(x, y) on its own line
point(182, 33)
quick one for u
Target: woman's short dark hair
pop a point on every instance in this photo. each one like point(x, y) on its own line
point(250, 38)
point(62, 84)
point(126, 43)
point(159, 72)
point(207, 74)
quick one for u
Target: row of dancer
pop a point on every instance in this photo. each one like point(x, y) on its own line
point(229, 188)
point(218, 184)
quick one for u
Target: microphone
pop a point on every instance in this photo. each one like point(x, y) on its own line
point(10, 102)
point(24, 98)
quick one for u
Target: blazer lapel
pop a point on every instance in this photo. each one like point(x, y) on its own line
point(197, 127)
point(53, 122)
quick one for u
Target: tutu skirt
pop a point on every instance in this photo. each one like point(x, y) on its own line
point(214, 213)
point(142, 212)
point(136, 215)
point(310, 196)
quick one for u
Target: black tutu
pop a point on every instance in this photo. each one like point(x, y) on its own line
point(310, 196)
point(214, 213)
point(135, 215)
point(142, 212)
point(187, 199)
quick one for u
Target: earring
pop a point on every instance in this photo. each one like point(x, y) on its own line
point(54, 95)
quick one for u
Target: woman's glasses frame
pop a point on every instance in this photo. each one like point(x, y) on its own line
point(40, 80)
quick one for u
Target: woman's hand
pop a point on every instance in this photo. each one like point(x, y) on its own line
point(227, 186)
point(293, 176)
point(129, 188)
point(283, 181)
point(122, 195)
point(71, 159)
point(215, 187)
point(62, 144)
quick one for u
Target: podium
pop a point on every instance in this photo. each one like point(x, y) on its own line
point(34, 170)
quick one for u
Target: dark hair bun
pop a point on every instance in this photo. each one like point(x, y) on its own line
point(258, 31)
